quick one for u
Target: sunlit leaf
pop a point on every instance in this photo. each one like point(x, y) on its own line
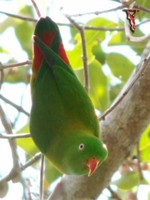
point(51, 172)
point(98, 85)
point(7, 23)
point(145, 145)
point(114, 91)
point(120, 66)
point(128, 181)
point(117, 39)
point(145, 139)
point(145, 154)
point(98, 52)
point(24, 32)
point(27, 143)
point(75, 55)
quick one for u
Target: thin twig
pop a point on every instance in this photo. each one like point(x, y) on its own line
point(35, 158)
point(19, 108)
point(137, 76)
point(85, 60)
point(29, 18)
point(102, 28)
point(19, 16)
point(139, 168)
point(15, 136)
point(7, 125)
point(143, 22)
point(1, 77)
point(114, 195)
point(28, 62)
point(36, 8)
point(147, 10)
point(42, 178)
point(98, 12)
point(138, 164)
point(84, 51)
point(111, 29)
point(12, 175)
point(64, 24)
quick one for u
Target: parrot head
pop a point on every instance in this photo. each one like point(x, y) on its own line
point(82, 154)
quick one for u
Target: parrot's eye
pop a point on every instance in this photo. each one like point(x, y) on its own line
point(81, 146)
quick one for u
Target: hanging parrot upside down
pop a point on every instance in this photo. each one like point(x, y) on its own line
point(63, 123)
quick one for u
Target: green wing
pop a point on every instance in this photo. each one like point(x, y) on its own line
point(60, 103)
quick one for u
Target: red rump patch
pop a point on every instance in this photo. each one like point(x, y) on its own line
point(38, 56)
point(47, 38)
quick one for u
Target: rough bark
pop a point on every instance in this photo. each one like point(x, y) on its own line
point(121, 131)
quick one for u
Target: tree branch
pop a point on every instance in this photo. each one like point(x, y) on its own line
point(19, 108)
point(98, 12)
point(36, 8)
point(28, 62)
point(14, 136)
point(84, 51)
point(121, 131)
point(19, 16)
point(15, 169)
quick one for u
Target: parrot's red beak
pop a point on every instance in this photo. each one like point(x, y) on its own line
point(92, 164)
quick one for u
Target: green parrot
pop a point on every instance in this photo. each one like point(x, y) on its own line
point(63, 122)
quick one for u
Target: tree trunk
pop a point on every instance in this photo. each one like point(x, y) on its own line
point(121, 130)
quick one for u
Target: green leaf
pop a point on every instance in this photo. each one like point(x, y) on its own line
point(51, 172)
point(117, 39)
point(27, 10)
point(24, 32)
point(97, 35)
point(145, 154)
point(145, 139)
point(145, 145)
point(101, 21)
point(128, 181)
point(98, 85)
point(98, 52)
point(144, 3)
point(114, 91)
point(120, 66)
point(27, 143)
point(8, 22)
point(75, 55)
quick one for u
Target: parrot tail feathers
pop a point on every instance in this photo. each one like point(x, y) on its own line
point(50, 56)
